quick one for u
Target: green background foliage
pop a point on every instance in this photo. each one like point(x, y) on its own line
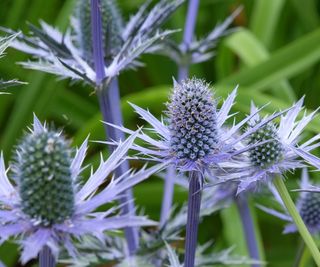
point(274, 57)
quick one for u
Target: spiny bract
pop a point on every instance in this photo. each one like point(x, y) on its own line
point(268, 153)
point(192, 120)
point(43, 173)
point(310, 209)
point(111, 27)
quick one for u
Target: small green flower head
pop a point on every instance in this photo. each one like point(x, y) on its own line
point(269, 153)
point(43, 173)
point(112, 26)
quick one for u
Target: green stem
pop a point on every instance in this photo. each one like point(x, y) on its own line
point(284, 194)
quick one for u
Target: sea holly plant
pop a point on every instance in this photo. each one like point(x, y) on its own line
point(192, 139)
point(283, 152)
point(190, 51)
point(48, 205)
point(4, 44)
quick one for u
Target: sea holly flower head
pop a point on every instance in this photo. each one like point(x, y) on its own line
point(192, 120)
point(48, 206)
point(193, 136)
point(43, 173)
point(265, 155)
point(308, 206)
point(68, 54)
point(282, 149)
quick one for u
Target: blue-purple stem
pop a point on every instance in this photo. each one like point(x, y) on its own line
point(109, 101)
point(194, 203)
point(183, 73)
point(167, 195)
point(189, 27)
point(97, 41)
point(46, 259)
point(248, 228)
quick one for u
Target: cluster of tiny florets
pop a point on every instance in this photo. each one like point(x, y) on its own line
point(268, 153)
point(309, 209)
point(111, 27)
point(43, 174)
point(192, 120)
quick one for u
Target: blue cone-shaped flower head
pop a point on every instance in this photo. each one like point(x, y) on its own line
point(43, 173)
point(112, 27)
point(269, 153)
point(192, 122)
point(46, 206)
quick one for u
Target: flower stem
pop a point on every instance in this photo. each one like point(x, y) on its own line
point(190, 22)
point(284, 194)
point(248, 228)
point(46, 259)
point(109, 100)
point(167, 195)
point(189, 27)
point(194, 202)
point(97, 41)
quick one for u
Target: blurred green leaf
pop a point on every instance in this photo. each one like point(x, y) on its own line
point(265, 18)
point(282, 64)
point(252, 52)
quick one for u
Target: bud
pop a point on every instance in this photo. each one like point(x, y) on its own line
point(192, 120)
point(309, 208)
point(267, 154)
point(111, 27)
point(43, 175)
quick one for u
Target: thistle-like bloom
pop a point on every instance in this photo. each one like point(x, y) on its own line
point(281, 151)
point(49, 206)
point(68, 54)
point(193, 136)
point(308, 206)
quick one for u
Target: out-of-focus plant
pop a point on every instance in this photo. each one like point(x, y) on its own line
point(4, 44)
